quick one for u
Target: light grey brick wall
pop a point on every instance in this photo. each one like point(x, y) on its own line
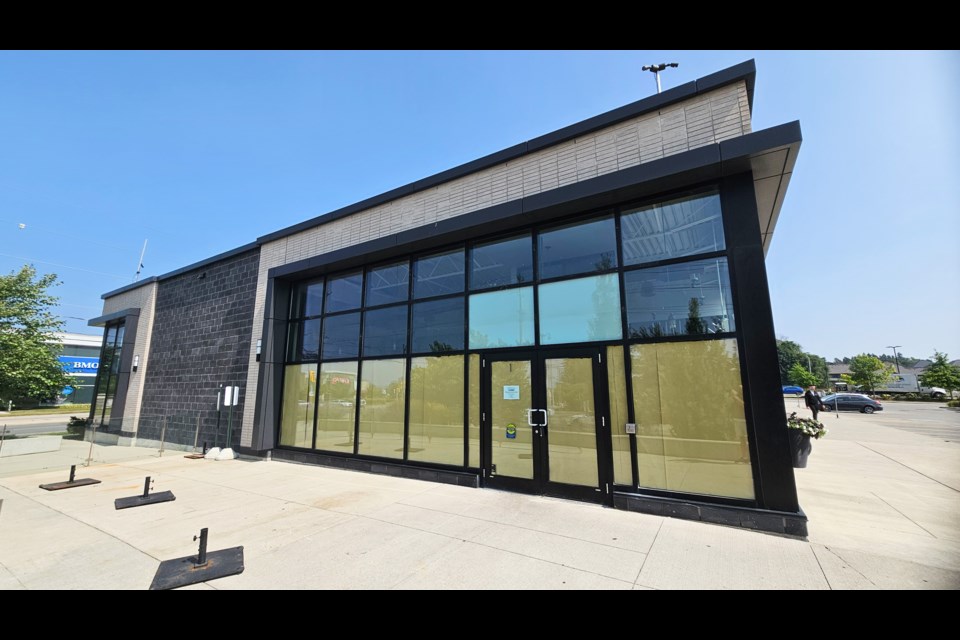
point(145, 298)
point(709, 118)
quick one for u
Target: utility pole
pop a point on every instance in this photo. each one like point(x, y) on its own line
point(136, 277)
point(896, 358)
point(655, 69)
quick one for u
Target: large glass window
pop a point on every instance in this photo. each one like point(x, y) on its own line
point(344, 292)
point(583, 247)
point(108, 374)
point(682, 445)
point(307, 299)
point(436, 410)
point(341, 336)
point(690, 298)
point(438, 326)
point(310, 345)
point(388, 284)
point(296, 414)
point(682, 227)
point(619, 416)
point(501, 318)
point(581, 310)
point(473, 434)
point(439, 274)
point(385, 331)
point(382, 399)
point(500, 263)
point(335, 406)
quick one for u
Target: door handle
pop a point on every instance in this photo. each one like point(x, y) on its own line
point(530, 421)
point(544, 411)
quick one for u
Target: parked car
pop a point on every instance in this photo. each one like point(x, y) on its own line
point(850, 402)
point(790, 389)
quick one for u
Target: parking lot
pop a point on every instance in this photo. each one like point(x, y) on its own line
point(882, 493)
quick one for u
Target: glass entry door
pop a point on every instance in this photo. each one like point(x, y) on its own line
point(545, 423)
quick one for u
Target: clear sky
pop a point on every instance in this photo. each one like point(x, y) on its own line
point(201, 152)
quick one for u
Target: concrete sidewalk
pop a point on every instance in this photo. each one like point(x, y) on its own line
point(883, 506)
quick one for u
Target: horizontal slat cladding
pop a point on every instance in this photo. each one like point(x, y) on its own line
point(645, 138)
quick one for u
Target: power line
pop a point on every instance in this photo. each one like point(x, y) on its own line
point(63, 266)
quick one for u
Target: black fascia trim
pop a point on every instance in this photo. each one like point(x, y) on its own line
point(678, 171)
point(130, 287)
point(101, 321)
point(736, 151)
point(190, 267)
point(745, 71)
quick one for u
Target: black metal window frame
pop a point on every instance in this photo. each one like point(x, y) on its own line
point(103, 381)
point(533, 231)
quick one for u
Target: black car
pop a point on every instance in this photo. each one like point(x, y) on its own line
point(850, 402)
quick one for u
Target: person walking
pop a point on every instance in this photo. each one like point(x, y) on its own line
point(812, 400)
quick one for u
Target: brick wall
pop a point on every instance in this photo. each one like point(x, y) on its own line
point(706, 119)
point(202, 330)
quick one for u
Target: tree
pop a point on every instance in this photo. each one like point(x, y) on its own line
point(790, 353)
point(29, 346)
point(867, 371)
point(799, 376)
point(941, 374)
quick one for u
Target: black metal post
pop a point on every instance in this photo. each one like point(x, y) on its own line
point(146, 487)
point(73, 472)
point(202, 554)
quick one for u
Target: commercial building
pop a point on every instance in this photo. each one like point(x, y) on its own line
point(80, 357)
point(585, 314)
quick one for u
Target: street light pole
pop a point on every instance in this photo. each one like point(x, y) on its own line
point(896, 358)
point(657, 68)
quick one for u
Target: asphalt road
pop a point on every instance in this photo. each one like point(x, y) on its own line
point(34, 425)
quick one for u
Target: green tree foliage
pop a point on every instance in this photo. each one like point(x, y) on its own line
point(868, 372)
point(941, 373)
point(790, 353)
point(29, 369)
point(799, 376)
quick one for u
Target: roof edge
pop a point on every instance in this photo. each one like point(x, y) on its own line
point(745, 71)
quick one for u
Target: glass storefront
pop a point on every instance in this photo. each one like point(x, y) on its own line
point(388, 361)
point(108, 374)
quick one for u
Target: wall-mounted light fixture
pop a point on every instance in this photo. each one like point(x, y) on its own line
point(136, 362)
point(259, 345)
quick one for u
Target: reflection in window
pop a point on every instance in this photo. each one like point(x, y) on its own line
point(385, 331)
point(438, 326)
point(616, 379)
point(335, 406)
point(473, 459)
point(387, 284)
point(307, 299)
point(310, 347)
point(438, 275)
point(108, 374)
point(693, 447)
point(344, 292)
point(583, 247)
point(436, 410)
point(581, 310)
point(691, 298)
point(672, 229)
point(296, 414)
point(501, 318)
point(382, 389)
point(504, 262)
point(341, 336)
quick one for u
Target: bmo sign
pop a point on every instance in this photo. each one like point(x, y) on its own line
point(78, 366)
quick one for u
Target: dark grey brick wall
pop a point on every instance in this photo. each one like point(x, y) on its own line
point(201, 339)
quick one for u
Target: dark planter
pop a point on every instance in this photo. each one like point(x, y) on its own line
point(800, 447)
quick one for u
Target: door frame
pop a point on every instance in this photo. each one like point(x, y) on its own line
point(540, 484)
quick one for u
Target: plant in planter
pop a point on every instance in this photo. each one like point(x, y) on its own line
point(801, 431)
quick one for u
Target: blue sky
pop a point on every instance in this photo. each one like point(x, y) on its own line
point(200, 152)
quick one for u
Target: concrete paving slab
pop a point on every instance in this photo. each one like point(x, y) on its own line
point(692, 555)
point(881, 572)
point(564, 551)
point(466, 565)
